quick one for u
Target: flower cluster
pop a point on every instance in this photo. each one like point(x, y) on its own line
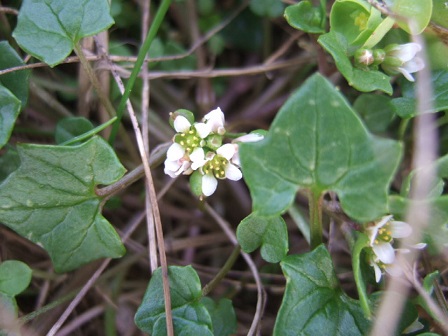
point(198, 150)
point(381, 254)
point(393, 59)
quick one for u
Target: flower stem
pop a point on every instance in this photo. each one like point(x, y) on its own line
point(315, 201)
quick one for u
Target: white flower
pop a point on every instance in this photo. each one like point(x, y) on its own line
point(215, 120)
point(402, 58)
point(218, 166)
point(176, 163)
point(381, 236)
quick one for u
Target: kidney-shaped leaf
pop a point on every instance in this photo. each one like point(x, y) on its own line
point(268, 232)
point(49, 29)
point(50, 199)
point(15, 277)
point(189, 315)
point(9, 110)
point(313, 303)
point(318, 142)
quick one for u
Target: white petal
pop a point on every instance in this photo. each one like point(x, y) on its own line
point(400, 229)
point(233, 173)
point(236, 159)
point(209, 184)
point(385, 252)
point(215, 119)
point(198, 158)
point(384, 220)
point(251, 137)
point(419, 246)
point(406, 52)
point(184, 168)
point(181, 124)
point(406, 74)
point(175, 152)
point(378, 272)
point(227, 151)
point(202, 129)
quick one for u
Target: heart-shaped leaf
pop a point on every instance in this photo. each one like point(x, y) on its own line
point(375, 110)
point(68, 128)
point(419, 11)
point(268, 232)
point(313, 303)
point(362, 80)
point(189, 315)
point(223, 316)
point(50, 199)
point(17, 81)
point(9, 111)
point(49, 29)
point(318, 142)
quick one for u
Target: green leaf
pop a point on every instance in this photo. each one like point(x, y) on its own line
point(8, 306)
point(419, 11)
point(189, 315)
point(375, 110)
point(15, 277)
point(405, 106)
point(268, 232)
point(362, 241)
point(69, 128)
point(223, 316)
point(304, 16)
point(267, 8)
point(362, 80)
point(49, 29)
point(317, 142)
point(313, 303)
point(50, 199)
point(9, 111)
point(440, 13)
point(356, 20)
point(9, 162)
point(17, 81)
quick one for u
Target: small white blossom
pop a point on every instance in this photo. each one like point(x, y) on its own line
point(251, 137)
point(402, 58)
point(215, 120)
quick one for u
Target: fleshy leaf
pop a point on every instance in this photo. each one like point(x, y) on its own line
point(49, 29)
point(318, 142)
point(223, 316)
point(17, 81)
point(189, 315)
point(419, 11)
point(268, 232)
point(362, 80)
point(9, 111)
point(15, 277)
point(50, 199)
point(304, 16)
point(405, 106)
point(313, 303)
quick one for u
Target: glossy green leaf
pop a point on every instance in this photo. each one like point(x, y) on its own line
point(15, 277)
point(267, 8)
point(50, 199)
point(9, 162)
point(440, 13)
point(419, 11)
point(375, 110)
point(268, 232)
point(405, 106)
point(317, 142)
point(189, 315)
point(313, 303)
point(223, 316)
point(362, 80)
point(68, 128)
point(9, 111)
point(49, 29)
point(17, 81)
point(304, 16)
point(356, 20)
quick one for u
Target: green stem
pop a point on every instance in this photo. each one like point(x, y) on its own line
point(222, 272)
point(359, 245)
point(402, 128)
point(163, 8)
point(88, 134)
point(315, 218)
